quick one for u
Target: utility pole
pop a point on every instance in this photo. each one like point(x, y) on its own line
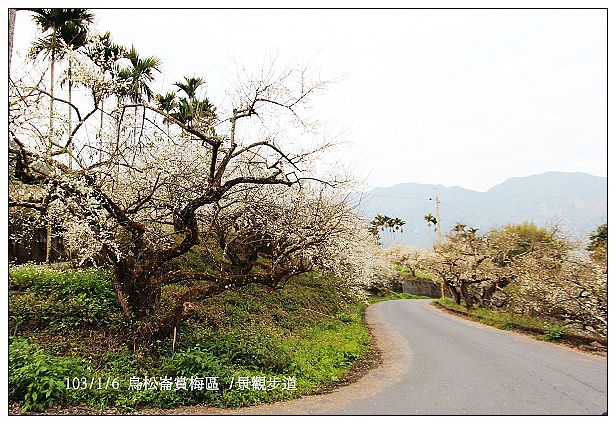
point(438, 220)
point(438, 232)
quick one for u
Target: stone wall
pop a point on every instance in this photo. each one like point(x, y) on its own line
point(423, 288)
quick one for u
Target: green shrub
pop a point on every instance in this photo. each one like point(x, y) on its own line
point(192, 362)
point(506, 326)
point(121, 362)
point(251, 348)
point(60, 313)
point(348, 318)
point(287, 320)
point(554, 333)
point(37, 379)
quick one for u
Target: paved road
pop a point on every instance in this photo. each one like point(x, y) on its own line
point(436, 363)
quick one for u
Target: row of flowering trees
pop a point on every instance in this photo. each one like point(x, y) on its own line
point(134, 180)
point(520, 268)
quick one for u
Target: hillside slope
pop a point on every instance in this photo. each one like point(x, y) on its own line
point(577, 201)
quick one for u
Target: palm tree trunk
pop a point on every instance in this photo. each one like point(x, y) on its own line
point(70, 121)
point(70, 91)
point(11, 34)
point(114, 144)
point(135, 129)
point(50, 141)
point(100, 130)
point(51, 78)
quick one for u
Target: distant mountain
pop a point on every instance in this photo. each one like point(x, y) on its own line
point(577, 201)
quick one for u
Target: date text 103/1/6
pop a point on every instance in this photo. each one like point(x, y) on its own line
point(99, 383)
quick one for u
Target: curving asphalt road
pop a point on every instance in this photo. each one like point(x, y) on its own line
point(436, 363)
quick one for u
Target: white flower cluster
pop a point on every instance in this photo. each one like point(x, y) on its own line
point(314, 228)
point(560, 282)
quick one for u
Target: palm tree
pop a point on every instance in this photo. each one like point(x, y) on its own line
point(397, 224)
point(190, 110)
point(138, 76)
point(11, 34)
point(167, 104)
point(66, 26)
point(74, 35)
point(431, 220)
point(71, 26)
point(459, 227)
point(384, 222)
point(190, 86)
point(105, 55)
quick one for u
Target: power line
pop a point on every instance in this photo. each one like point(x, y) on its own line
point(398, 197)
point(461, 210)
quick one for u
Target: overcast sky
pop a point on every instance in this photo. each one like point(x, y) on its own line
point(456, 97)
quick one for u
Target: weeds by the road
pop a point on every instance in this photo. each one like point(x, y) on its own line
point(394, 296)
point(502, 320)
point(510, 321)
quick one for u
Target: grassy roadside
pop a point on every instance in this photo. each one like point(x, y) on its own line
point(515, 322)
point(394, 296)
point(418, 274)
point(65, 323)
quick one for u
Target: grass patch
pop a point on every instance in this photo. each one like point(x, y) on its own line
point(506, 320)
point(418, 275)
point(67, 324)
point(422, 275)
point(60, 299)
point(395, 296)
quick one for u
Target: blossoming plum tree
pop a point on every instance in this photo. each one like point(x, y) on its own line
point(238, 179)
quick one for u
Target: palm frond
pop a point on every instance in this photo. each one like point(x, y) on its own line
point(190, 85)
point(44, 46)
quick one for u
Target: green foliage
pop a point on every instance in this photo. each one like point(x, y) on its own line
point(309, 330)
point(598, 237)
point(121, 362)
point(395, 296)
point(506, 326)
point(598, 242)
point(192, 361)
point(61, 281)
point(526, 234)
point(528, 231)
point(423, 275)
point(348, 318)
point(250, 348)
point(196, 259)
point(384, 223)
point(554, 333)
point(61, 299)
point(324, 354)
point(507, 321)
point(495, 318)
point(415, 275)
point(36, 378)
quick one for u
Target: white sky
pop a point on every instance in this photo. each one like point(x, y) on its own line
point(456, 97)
